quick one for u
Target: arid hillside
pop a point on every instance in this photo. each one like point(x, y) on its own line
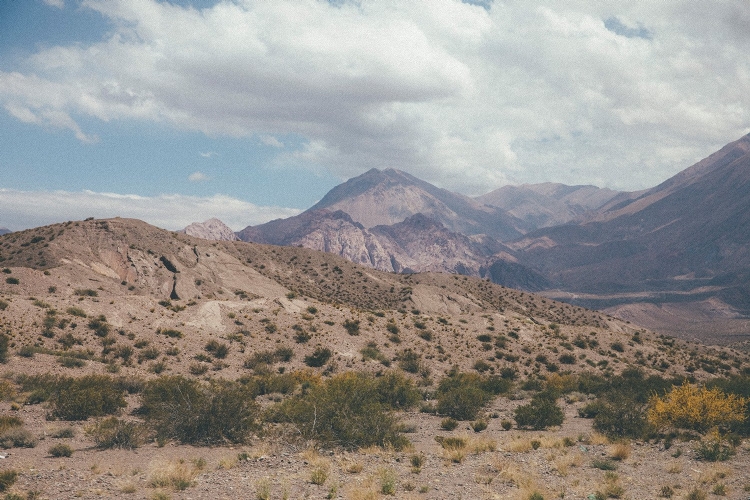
point(435, 357)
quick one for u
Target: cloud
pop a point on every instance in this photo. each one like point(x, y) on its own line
point(270, 140)
point(55, 3)
point(25, 209)
point(208, 154)
point(197, 177)
point(465, 96)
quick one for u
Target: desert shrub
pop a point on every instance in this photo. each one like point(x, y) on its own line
point(714, 447)
point(371, 351)
point(345, 411)
point(71, 362)
point(624, 401)
point(603, 464)
point(196, 413)
point(696, 408)
point(115, 433)
point(9, 422)
point(218, 349)
point(99, 326)
point(85, 292)
point(61, 450)
point(76, 311)
point(448, 424)
point(319, 357)
point(739, 386)
point(3, 305)
point(351, 326)
point(396, 391)
point(27, 351)
point(696, 494)
point(84, 397)
point(462, 395)
point(170, 332)
point(17, 437)
point(479, 425)
point(540, 413)
point(12, 281)
point(409, 361)
point(283, 354)
point(198, 368)
point(567, 359)
point(7, 479)
point(462, 403)
point(4, 347)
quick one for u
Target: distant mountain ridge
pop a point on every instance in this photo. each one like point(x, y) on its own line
point(4, 230)
point(548, 204)
point(685, 241)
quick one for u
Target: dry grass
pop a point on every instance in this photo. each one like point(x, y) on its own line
point(620, 451)
point(565, 462)
point(175, 475)
point(674, 468)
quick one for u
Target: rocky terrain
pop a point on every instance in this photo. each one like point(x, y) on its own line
point(124, 299)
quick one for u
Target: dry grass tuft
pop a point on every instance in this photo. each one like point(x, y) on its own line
point(177, 475)
point(620, 451)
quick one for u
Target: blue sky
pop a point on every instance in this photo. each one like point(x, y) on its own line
point(175, 112)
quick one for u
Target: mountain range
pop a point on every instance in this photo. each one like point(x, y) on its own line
point(674, 257)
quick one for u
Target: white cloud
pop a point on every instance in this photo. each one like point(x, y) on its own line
point(25, 209)
point(197, 177)
point(208, 154)
point(460, 95)
point(55, 3)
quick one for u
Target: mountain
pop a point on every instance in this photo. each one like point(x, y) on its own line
point(386, 197)
point(685, 241)
point(417, 244)
point(547, 204)
point(212, 229)
point(4, 230)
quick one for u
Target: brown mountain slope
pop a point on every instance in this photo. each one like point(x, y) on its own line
point(687, 240)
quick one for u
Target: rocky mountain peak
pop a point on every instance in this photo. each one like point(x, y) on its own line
point(212, 229)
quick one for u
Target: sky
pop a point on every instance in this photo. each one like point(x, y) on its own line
point(178, 111)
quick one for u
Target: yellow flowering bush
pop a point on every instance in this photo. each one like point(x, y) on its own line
point(696, 408)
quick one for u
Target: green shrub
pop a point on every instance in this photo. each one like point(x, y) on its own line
point(76, 311)
point(84, 397)
point(115, 433)
point(351, 326)
point(345, 411)
point(409, 361)
point(396, 391)
point(170, 332)
point(218, 349)
point(462, 395)
point(61, 450)
point(85, 292)
point(12, 281)
point(540, 413)
point(196, 413)
point(71, 362)
point(479, 425)
point(319, 357)
point(603, 464)
point(714, 448)
point(99, 326)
